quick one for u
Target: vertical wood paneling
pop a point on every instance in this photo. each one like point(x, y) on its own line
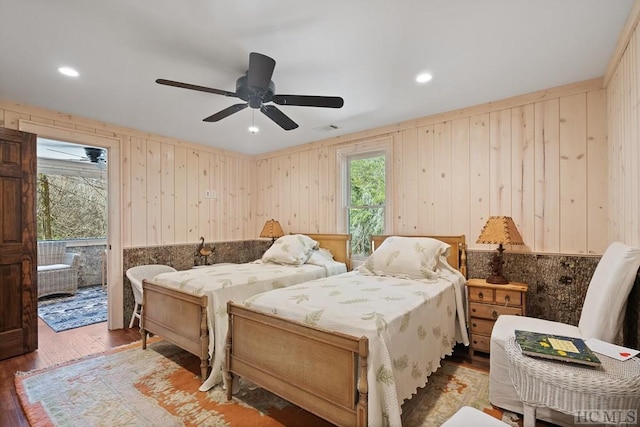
point(303, 193)
point(138, 192)
point(547, 176)
point(261, 200)
point(522, 170)
point(426, 207)
point(224, 197)
point(479, 177)
point(215, 227)
point(154, 185)
point(573, 174)
point(326, 193)
point(314, 190)
point(623, 124)
point(443, 178)
point(597, 185)
point(460, 194)
point(125, 188)
point(193, 201)
point(408, 209)
point(500, 163)
point(284, 193)
point(295, 188)
point(180, 195)
point(167, 192)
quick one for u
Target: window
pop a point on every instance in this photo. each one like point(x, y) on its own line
point(71, 207)
point(365, 194)
point(71, 191)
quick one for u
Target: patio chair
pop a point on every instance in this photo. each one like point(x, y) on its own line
point(136, 275)
point(601, 318)
point(57, 269)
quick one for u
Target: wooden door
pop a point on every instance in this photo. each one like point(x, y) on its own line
point(18, 239)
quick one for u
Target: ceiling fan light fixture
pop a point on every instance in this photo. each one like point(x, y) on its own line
point(253, 129)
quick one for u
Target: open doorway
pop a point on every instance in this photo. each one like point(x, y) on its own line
point(71, 215)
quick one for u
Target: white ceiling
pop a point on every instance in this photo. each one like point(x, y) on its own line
point(366, 51)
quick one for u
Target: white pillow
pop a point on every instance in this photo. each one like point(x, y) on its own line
point(321, 257)
point(406, 257)
point(293, 249)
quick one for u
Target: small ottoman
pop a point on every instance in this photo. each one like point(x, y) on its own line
point(468, 416)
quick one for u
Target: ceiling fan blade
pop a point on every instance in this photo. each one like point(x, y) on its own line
point(260, 70)
point(226, 112)
point(279, 117)
point(309, 101)
point(196, 87)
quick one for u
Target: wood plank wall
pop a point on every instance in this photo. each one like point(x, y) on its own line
point(540, 158)
point(623, 93)
point(164, 182)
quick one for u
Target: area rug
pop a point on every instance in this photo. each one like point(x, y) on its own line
point(86, 307)
point(159, 387)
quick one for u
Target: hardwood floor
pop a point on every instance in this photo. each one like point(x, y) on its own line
point(54, 348)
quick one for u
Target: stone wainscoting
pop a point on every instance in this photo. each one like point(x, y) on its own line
point(557, 286)
point(91, 260)
point(557, 283)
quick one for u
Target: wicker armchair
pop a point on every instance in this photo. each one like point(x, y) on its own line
point(57, 269)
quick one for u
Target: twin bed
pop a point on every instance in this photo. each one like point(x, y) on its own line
point(351, 348)
point(188, 308)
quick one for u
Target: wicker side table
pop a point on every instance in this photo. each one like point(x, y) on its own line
point(572, 388)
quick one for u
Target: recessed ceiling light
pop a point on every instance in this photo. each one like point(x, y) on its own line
point(253, 129)
point(68, 71)
point(424, 77)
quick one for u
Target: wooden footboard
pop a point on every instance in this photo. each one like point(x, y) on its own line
point(178, 317)
point(321, 371)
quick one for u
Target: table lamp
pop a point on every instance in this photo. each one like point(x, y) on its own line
point(272, 230)
point(499, 230)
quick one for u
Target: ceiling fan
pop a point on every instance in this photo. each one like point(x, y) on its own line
point(257, 90)
point(92, 154)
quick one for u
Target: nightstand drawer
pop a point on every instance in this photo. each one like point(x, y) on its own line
point(481, 326)
point(488, 311)
point(480, 294)
point(508, 298)
point(481, 343)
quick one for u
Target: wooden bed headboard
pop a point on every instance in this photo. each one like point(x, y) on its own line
point(338, 244)
point(457, 254)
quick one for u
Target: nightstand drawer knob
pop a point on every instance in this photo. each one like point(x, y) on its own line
point(480, 296)
point(475, 325)
point(494, 314)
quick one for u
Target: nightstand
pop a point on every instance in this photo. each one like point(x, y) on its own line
point(486, 302)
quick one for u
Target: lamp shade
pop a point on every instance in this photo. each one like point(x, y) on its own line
point(500, 230)
point(272, 229)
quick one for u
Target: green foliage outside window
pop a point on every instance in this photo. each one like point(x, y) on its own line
point(367, 195)
point(71, 207)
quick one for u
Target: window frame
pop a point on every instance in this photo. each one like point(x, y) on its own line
point(381, 146)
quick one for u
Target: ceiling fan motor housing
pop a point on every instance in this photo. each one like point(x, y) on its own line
point(255, 96)
point(95, 155)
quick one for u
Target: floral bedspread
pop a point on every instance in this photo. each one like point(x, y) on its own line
point(410, 325)
point(236, 282)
